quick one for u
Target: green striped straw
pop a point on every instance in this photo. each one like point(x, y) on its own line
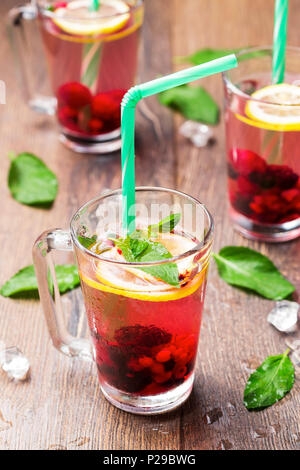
point(94, 5)
point(130, 100)
point(279, 40)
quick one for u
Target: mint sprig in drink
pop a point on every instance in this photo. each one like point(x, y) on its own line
point(145, 285)
point(91, 49)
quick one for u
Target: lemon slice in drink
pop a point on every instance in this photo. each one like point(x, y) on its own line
point(137, 284)
point(76, 18)
point(284, 117)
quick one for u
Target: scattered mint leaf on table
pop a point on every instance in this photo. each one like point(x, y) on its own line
point(204, 55)
point(271, 381)
point(193, 102)
point(67, 277)
point(31, 182)
point(24, 281)
point(240, 266)
point(165, 225)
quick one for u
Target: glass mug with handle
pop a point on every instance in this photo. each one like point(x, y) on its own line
point(263, 136)
point(144, 315)
point(91, 60)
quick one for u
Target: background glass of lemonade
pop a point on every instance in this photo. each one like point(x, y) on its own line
point(145, 332)
point(92, 61)
point(263, 142)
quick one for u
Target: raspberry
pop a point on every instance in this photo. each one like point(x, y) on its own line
point(245, 162)
point(60, 5)
point(180, 372)
point(105, 107)
point(67, 115)
point(264, 180)
point(160, 379)
point(290, 194)
point(95, 125)
point(284, 177)
point(241, 202)
point(163, 356)
point(157, 368)
point(74, 94)
point(246, 187)
point(146, 361)
point(117, 95)
point(144, 336)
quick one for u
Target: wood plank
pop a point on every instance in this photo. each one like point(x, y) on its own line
point(61, 407)
point(235, 335)
point(64, 394)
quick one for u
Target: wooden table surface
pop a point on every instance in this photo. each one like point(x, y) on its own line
point(61, 406)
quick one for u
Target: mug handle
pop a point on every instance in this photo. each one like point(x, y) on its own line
point(47, 242)
point(19, 21)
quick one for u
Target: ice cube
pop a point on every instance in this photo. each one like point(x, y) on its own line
point(284, 316)
point(200, 134)
point(293, 343)
point(295, 357)
point(14, 363)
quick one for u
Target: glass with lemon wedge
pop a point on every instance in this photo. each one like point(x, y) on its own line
point(91, 57)
point(92, 60)
point(143, 294)
point(263, 141)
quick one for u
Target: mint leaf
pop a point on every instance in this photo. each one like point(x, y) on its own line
point(205, 55)
point(271, 381)
point(87, 242)
point(166, 272)
point(138, 246)
point(193, 102)
point(124, 245)
point(243, 267)
point(141, 250)
point(67, 277)
point(165, 225)
point(31, 182)
point(24, 281)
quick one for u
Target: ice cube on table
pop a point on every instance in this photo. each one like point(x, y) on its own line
point(293, 343)
point(284, 316)
point(200, 134)
point(295, 357)
point(14, 363)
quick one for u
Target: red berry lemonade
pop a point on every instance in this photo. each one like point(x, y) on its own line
point(263, 141)
point(145, 331)
point(92, 60)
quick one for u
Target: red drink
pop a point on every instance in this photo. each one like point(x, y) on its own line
point(263, 138)
point(143, 292)
point(144, 331)
point(92, 63)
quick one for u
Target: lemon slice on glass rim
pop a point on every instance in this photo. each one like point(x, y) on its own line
point(137, 284)
point(75, 18)
point(284, 116)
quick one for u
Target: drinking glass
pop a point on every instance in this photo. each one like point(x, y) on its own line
point(91, 62)
point(144, 331)
point(262, 155)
